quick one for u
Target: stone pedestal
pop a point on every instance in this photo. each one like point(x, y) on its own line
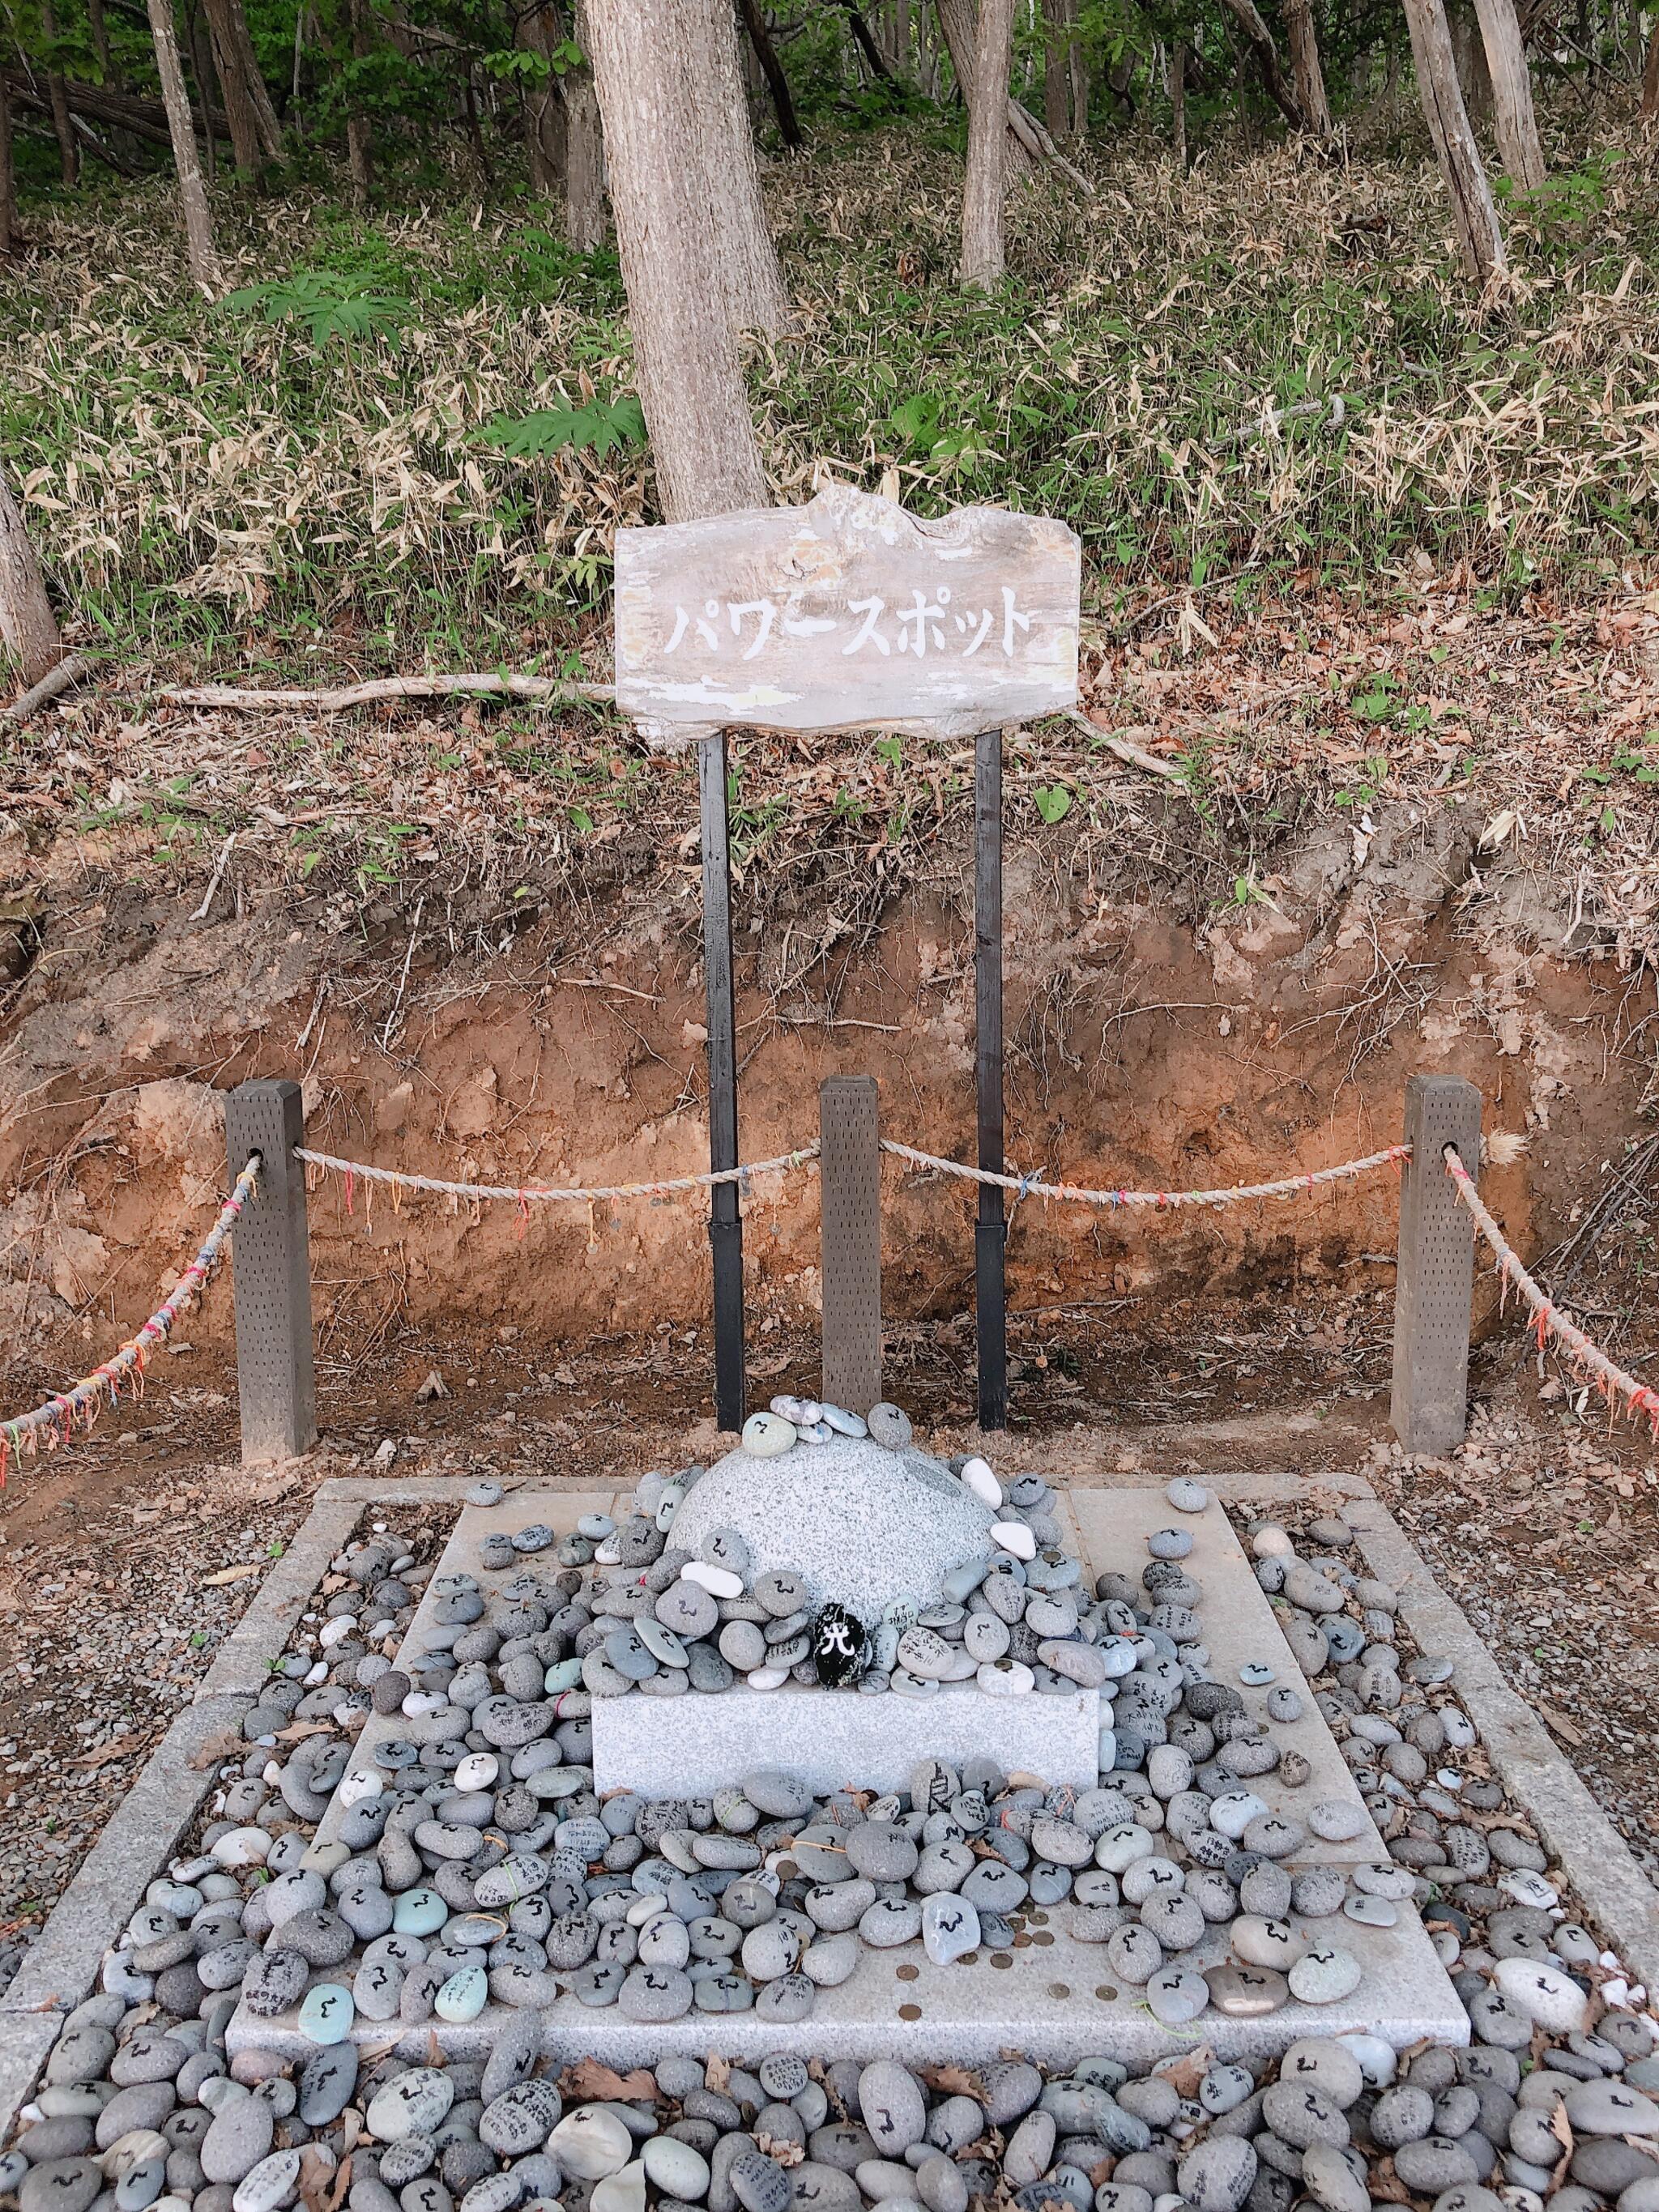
point(838, 1738)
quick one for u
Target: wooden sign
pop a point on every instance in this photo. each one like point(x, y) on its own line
point(846, 613)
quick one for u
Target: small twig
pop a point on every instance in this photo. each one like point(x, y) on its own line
point(1120, 748)
point(216, 878)
point(69, 671)
point(403, 980)
point(304, 1037)
point(551, 687)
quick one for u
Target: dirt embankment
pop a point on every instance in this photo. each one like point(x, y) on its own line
point(1154, 1041)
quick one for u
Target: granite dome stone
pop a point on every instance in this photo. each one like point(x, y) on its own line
point(866, 1527)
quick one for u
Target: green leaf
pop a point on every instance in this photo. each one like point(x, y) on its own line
point(332, 305)
point(1054, 802)
point(603, 426)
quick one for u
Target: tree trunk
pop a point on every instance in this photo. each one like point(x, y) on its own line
point(28, 628)
point(1514, 123)
point(866, 45)
point(1178, 104)
point(229, 63)
point(1651, 79)
point(984, 192)
point(1248, 17)
point(1056, 86)
point(1473, 77)
point(748, 264)
point(206, 81)
point(69, 153)
point(902, 58)
point(121, 110)
point(1481, 242)
point(192, 196)
point(584, 149)
point(538, 31)
point(360, 158)
point(1306, 77)
point(9, 234)
point(1077, 68)
point(957, 24)
point(258, 92)
point(658, 70)
point(783, 105)
point(107, 69)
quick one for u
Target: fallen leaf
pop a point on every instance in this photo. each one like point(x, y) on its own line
point(228, 1744)
point(1558, 1724)
point(116, 1748)
point(233, 1573)
point(590, 2081)
point(1189, 2070)
point(782, 2154)
point(954, 2081)
point(319, 2172)
point(717, 2073)
point(297, 1731)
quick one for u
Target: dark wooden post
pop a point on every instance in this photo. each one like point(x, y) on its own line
point(849, 1185)
point(990, 1231)
point(270, 1260)
point(1434, 1288)
point(725, 1214)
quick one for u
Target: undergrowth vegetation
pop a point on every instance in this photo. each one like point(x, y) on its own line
point(413, 435)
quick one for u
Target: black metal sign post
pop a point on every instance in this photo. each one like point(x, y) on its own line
point(990, 1230)
point(725, 1214)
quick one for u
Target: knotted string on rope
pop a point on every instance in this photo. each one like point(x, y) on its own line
point(1548, 1319)
point(56, 1421)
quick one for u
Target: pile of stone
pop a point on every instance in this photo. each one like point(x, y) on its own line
point(907, 1573)
point(473, 1861)
point(142, 2113)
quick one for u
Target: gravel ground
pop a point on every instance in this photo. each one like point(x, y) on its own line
point(1550, 1543)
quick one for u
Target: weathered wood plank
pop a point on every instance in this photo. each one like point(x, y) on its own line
point(846, 613)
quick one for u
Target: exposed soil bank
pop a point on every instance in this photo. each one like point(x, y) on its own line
point(1154, 1042)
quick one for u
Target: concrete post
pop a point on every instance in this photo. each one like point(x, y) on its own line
point(849, 1182)
point(1434, 1289)
point(272, 1262)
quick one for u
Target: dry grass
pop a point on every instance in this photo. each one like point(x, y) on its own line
point(208, 485)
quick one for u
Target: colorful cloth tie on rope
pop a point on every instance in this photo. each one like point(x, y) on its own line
point(1547, 1321)
point(55, 1420)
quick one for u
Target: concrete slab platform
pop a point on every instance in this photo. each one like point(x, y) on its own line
point(1239, 1625)
point(519, 1509)
point(1051, 2001)
point(1049, 1996)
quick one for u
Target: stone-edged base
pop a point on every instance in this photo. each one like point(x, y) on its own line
point(1051, 2001)
point(836, 1739)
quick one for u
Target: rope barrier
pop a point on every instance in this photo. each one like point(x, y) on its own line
point(1027, 1186)
point(1022, 1186)
point(56, 1418)
point(549, 1194)
point(1548, 1319)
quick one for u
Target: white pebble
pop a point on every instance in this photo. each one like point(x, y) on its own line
point(1015, 1538)
point(718, 1581)
point(768, 1677)
point(976, 1476)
